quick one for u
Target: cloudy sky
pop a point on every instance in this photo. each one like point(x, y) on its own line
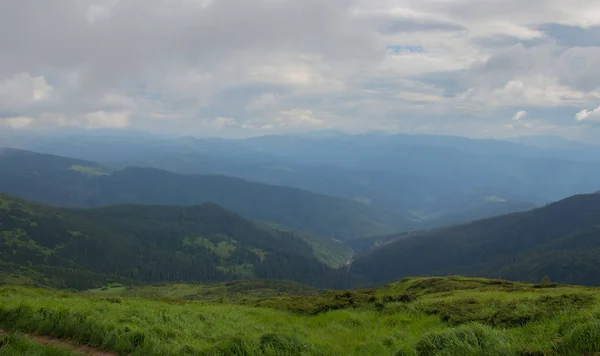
point(480, 68)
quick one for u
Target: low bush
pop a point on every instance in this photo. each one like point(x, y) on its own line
point(583, 339)
point(282, 344)
point(465, 340)
point(14, 345)
point(312, 305)
point(501, 313)
point(235, 346)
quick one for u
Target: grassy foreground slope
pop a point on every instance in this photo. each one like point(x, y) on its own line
point(421, 316)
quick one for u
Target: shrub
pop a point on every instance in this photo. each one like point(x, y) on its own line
point(472, 339)
point(546, 280)
point(531, 352)
point(542, 285)
point(582, 339)
point(513, 314)
point(282, 344)
point(401, 298)
point(510, 313)
point(16, 345)
point(379, 306)
point(235, 346)
point(565, 301)
point(405, 351)
point(114, 300)
point(312, 305)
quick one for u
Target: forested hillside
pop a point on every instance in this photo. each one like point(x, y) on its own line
point(73, 183)
point(561, 240)
point(81, 248)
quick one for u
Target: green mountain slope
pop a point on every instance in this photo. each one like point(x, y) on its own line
point(73, 183)
point(561, 240)
point(46, 178)
point(80, 248)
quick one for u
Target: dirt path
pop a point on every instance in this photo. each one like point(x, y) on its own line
point(81, 349)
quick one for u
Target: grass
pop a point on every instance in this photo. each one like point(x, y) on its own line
point(15, 345)
point(471, 339)
point(418, 316)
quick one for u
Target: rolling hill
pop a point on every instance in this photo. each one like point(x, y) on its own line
point(81, 248)
point(561, 240)
point(70, 182)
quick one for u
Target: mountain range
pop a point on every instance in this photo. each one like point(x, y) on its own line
point(419, 177)
point(82, 248)
point(69, 182)
point(561, 240)
point(376, 207)
point(77, 183)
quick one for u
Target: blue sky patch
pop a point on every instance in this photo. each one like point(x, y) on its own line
point(398, 49)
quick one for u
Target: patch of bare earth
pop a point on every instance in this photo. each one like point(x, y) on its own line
point(80, 349)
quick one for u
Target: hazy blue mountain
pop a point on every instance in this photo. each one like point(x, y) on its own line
point(552, 142)
point(561, 147)
point(70, 182)
point(417, 176)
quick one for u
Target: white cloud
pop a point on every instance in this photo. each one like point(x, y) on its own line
point(119, 101)
point(17, 122)
point(86, 63)
point(261, 102)
point(519, 115)
point(287, 120)
point(298, 117)
point(220, 123)
point(517, 122)
point(106, 120)
point(22, 90)
point(588, 115)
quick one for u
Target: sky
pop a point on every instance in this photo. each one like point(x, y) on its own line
point(237, 68)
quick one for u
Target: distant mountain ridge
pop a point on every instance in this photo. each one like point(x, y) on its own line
point(69, 182)
point(561, 240)
point(423, 177)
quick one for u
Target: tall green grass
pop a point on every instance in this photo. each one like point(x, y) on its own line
point(583, 338)
point(15, 345)
point(145, 327)
point(410, 319)
point(471, 340)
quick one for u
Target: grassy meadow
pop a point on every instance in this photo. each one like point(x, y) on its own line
point(417, 316)
point(16, 345)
